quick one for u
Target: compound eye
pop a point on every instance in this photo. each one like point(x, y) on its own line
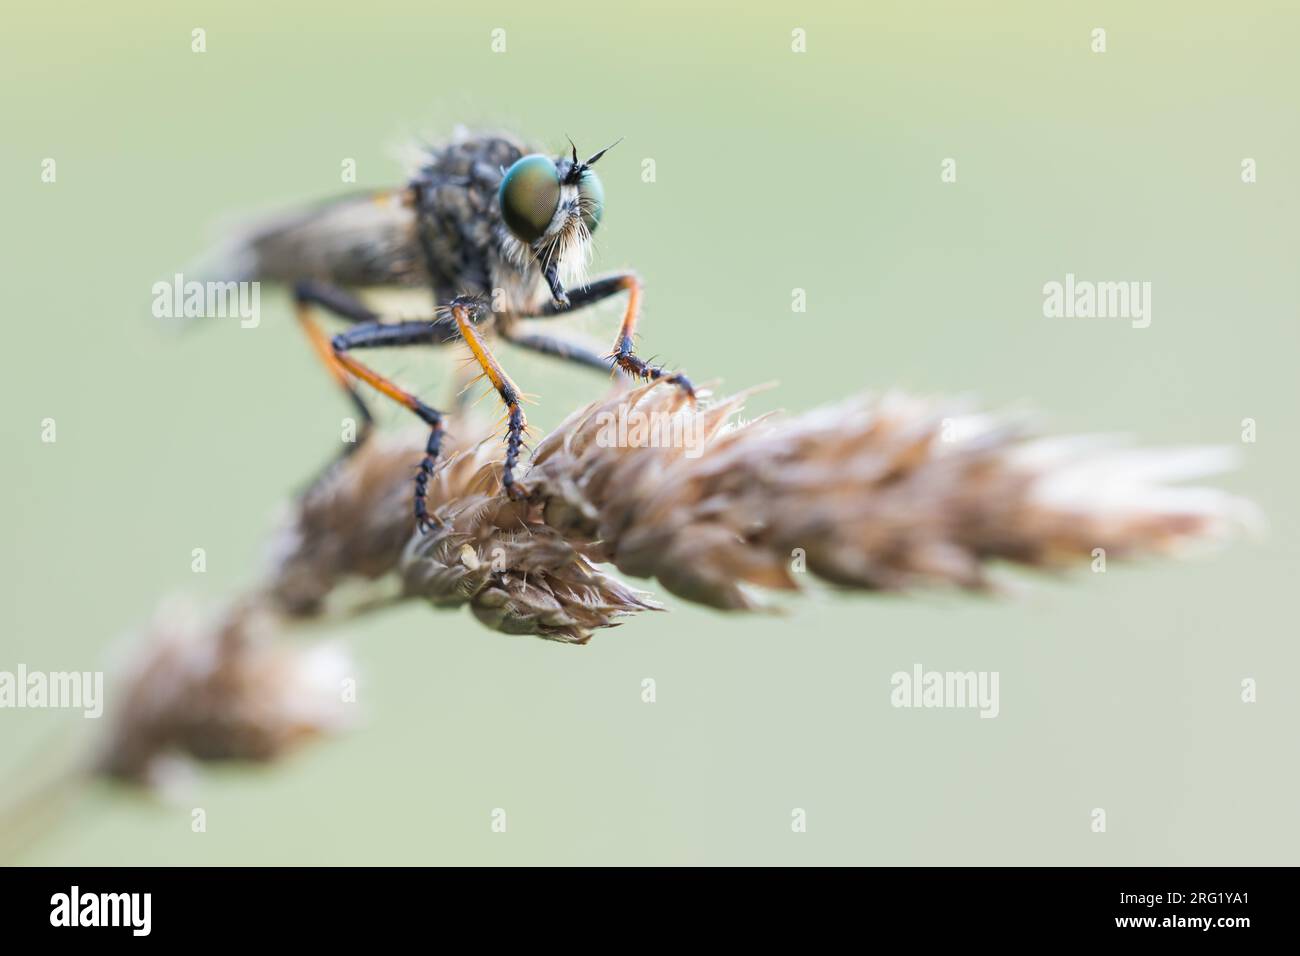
point(529, 195)
point(591, 196)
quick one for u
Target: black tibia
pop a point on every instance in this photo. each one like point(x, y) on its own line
point(548, 345)
point(332, 299)
point(378, 335)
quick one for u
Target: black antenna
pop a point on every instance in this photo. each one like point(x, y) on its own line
point(595, 156)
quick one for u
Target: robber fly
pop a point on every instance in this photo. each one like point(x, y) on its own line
point(495, 230)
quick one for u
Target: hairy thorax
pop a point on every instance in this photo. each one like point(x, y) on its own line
point(459, 227)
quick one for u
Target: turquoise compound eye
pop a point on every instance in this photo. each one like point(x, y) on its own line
point(529, 196)
point(592, 196)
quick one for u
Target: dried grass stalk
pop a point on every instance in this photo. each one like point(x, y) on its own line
point(356, 519)
point(884, 493)
point(878, 493)
point(219, 690)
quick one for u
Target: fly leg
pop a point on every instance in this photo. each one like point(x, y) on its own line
point(623, 355)
point(465, 312)
point(378, 335)
point(309, 294)
point(557, 348)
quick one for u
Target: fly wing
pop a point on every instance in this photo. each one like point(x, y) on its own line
point(360, 240)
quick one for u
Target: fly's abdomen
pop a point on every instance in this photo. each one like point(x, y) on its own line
point(361, 240)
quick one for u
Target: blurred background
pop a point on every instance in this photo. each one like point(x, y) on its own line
point(775, 170)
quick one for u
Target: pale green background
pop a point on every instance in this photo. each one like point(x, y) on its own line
point(775, 171)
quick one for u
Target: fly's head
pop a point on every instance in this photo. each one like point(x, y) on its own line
point(550, 207)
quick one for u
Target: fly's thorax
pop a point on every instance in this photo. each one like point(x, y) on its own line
point(455, 188)
point(496, 220)
point(457, 235)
